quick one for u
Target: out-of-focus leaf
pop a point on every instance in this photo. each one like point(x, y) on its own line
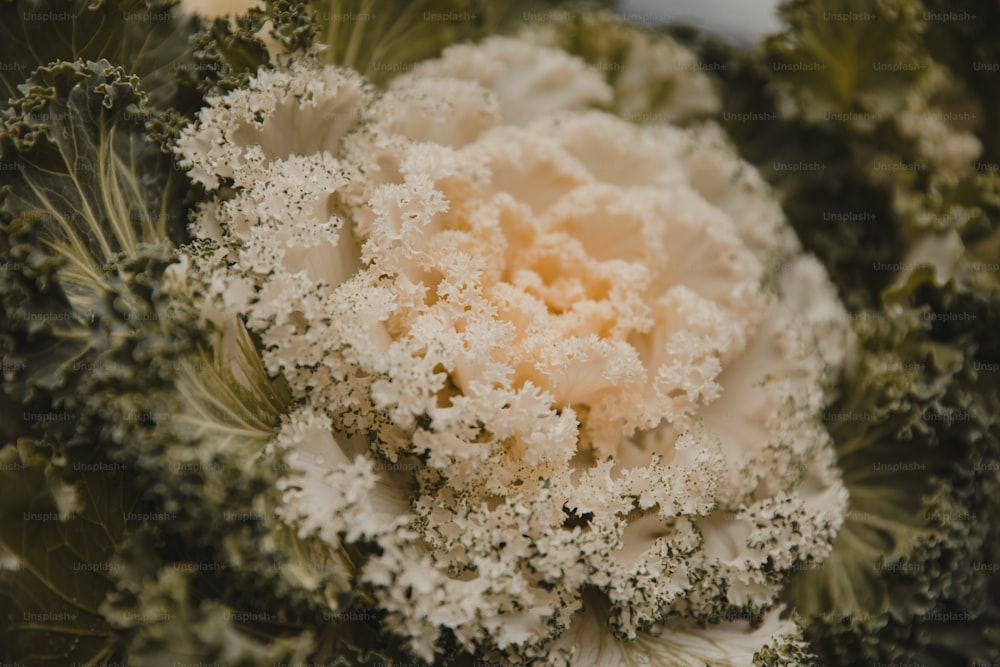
point(62, 528)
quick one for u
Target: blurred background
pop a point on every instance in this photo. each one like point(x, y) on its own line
point(742, 20)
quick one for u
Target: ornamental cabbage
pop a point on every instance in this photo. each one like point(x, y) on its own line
point(565, 371)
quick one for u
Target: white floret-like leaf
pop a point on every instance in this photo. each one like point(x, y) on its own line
point(356, 500)
point(529, 81)
point(299, 112)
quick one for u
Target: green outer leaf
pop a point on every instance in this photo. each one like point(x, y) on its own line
point(80, 172)
point(831, 65)
point(382, 39)
point(228, 51)
point(971, 51)
point(909, 550)
point(172, 618)
point(887, 471)
point(52, 602)
point(89, 212)
point(149, 38)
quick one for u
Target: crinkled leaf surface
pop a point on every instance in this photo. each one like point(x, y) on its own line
point(79, 170)
point(90, 210)
point(149, 38)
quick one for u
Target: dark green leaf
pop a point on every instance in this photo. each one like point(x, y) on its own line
point(149, 38)
point(63, 550)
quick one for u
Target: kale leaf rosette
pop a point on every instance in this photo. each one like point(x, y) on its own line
point(460, 333)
